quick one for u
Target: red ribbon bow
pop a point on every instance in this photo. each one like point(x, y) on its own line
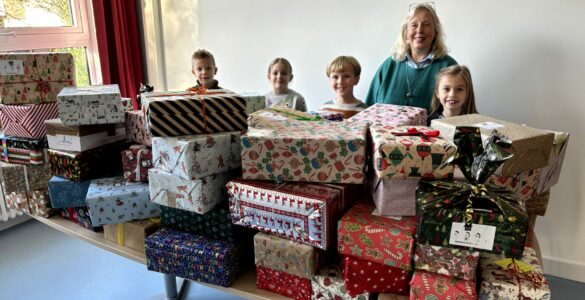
point(425, 135)
point(536, 279)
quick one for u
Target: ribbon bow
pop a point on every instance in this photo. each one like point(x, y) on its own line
point(425, 135)
point(536, 279)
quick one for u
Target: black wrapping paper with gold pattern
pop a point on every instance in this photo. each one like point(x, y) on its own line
point(441, 204)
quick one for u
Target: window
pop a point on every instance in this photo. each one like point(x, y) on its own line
point(54, 26)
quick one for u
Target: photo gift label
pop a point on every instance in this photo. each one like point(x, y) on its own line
point(478, 236)
point(11, 67)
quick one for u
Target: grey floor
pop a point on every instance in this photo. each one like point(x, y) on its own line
point(38, 262)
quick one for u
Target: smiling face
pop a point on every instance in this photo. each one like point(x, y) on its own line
point(279, 77)
point(452, 92)
point(342, 82)
point(421, 32)
point(204, 70)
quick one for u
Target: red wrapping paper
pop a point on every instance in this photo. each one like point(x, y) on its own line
point(362, 276)
point(136, 161)
point(426, 285)
point(27, 121)
point(282, 283)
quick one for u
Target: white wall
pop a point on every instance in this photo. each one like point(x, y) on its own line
point(527, 59)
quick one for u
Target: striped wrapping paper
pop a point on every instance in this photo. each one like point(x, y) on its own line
point(27, 121)
point(23, 151)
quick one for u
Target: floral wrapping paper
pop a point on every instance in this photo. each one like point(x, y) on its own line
point(391, 115)
point(285, 255)
point(113, 200)
point(194, 257)
point(281, 117)
point(136, 129)
point(549, 175)
point(22, 178)
point(27, 121)
point(86, 165)
point(328, 284)
point(84, 137)
point(216, 223)
point(136, 162)
point(66, 193)
point(98, 104)
point(288, 285)
point(513, 282)
point(361, 276)
point(425, 285)
point(331, 152)
point(301, 212)
point(131, 234)
point(195, 156)
point(394, 196)
point(452, 262)
point(23, 150)
point(386, 241)
point(34, 78)
point(410, 156)
point(186, 113)
point(199, 195)
point(79, 215)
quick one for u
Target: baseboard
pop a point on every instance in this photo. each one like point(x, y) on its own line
point(564, 268)
point(13, 222)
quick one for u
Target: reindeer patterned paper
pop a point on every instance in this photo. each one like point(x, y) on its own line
point(424, 286)
point(330, 152)
point(452, 262)
point(99, 104)
point(196, 156)
point(285, 255)
point(292, 286)
point(386, 241)
point(410, 156)
point(328, 284)
point(199, 195)
point(113, 200)
point(302, 212)
point(391, 115)
point(136, 129)
point(33, 78)
point(362, 276)
point(136, 162)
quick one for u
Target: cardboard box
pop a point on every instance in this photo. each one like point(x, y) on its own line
point(82, 138)
point(98, 104)
point(131, 234)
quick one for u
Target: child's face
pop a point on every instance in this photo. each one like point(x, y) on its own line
point(204, 70)
point(279, 76)
point(342, 82)
point(452, 92)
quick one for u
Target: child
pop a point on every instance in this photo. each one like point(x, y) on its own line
point(344, 74)
point(204, 69)
point(279, 75)
point(453, 94)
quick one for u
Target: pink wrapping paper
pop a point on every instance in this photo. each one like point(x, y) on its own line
point(391, 115)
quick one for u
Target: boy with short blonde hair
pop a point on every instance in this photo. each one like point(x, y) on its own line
point(204, 69)
point(344, 73)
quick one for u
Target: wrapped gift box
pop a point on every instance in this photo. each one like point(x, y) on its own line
point(549, 175)
point(513, 279)
point(136, 162)
point(285, 255)
point(18, 201)
point(281, 117)
point(301, 212)
point(136, 129)
point(215, 224)
point(22, 178)
point(40, 204)
point(98, 104)
point(131, 234)
point(394, 196)
point(113, 200)
point(330, 152)
point(200, 195)
point(329, 115)
point(66, 193)
point(23, 150)
point(361, 276)
point(82, 138)
point(426, 285)
point(328, 284)
point(79, 215)
point(86, 165)
point(522, 185)
point(387, 241)
point(27, 121)
point(193, 257)
point(537, 204)
point(289, 285)
point(531, 147)
point(389, 296)
point(391, 115)
point(195, 156)
point(32, 78)
point(186, 113)
point(452, 262)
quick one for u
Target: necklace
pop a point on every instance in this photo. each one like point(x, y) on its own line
point(416, 80)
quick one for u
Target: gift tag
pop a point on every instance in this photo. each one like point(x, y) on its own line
point(522, 266)
point(11, 67)
point(488, 125)
point(479, 236)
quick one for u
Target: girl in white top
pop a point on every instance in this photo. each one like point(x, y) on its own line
point(279, 75)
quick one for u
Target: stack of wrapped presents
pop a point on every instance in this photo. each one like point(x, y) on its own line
point(375, 206)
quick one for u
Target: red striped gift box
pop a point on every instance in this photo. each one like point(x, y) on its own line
point(27, 120)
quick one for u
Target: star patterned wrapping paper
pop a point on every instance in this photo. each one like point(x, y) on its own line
point(425, 285)
point(79, 215)
point(302, 212)
point(410, 152)
point(136, 129)
point(192, 256)
point(331, 152)
point(67, 193)
point(195, 156)
point(452, 262)
point(113, 200)
point(285, 255)
point(23, 151)
point(136, 162)
point(386, 241)
point(328, 284)
point(216, 223)
point(28, 120)
point(199, 195)
point(97, 104)
point(361, 276)
point(22, 178)
point(391, 115)
point(27, 78)
point(288, 285)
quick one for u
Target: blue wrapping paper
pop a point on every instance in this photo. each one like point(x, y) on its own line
point(67, 193)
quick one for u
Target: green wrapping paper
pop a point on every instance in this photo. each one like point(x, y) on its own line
point(472, 215)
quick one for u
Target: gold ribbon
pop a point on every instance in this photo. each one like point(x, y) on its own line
point(121, 234)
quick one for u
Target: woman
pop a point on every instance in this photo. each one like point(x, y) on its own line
point(408, 76)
